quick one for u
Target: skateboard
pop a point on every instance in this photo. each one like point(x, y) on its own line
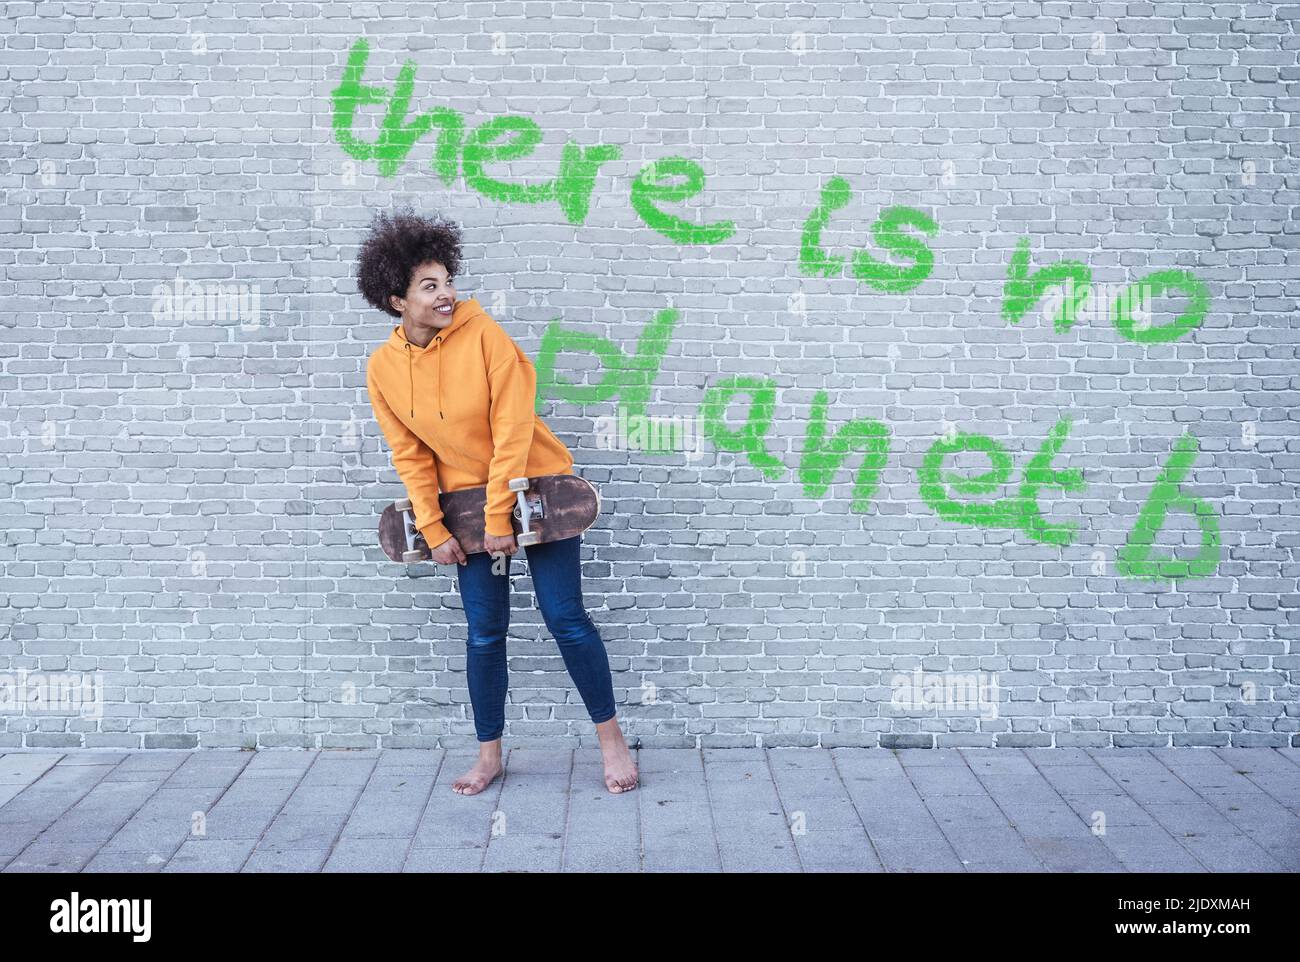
point(550, 507)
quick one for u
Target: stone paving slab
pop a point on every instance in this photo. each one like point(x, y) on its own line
point(711, 810)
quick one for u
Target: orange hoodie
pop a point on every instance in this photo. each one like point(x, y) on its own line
point(478, 428)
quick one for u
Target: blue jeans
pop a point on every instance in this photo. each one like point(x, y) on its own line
point(557, 582)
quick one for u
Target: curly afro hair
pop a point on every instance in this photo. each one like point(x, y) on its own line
point(396, 246)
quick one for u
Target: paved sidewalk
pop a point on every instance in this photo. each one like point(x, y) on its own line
point(871, 810)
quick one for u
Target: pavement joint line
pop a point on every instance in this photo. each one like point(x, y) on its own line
point(424, 809)
point(939, 825)
point(1132, 798)
point(1154, 821)
point(342, 824)
point(640, 797)
point(1285, 758)
point(568, 809)
point(271, 821)
point(785, 812)
point(64, 811)
point(708, 798)
point(1265, 790)
point(137, 808)
point(1057, 797)
point(496, 805)
point(208, 809)
point(713, 822)
point(1192, 789)
point(1092, 760)
point(857, 812)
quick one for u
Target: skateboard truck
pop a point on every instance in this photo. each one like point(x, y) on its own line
point(413, 552)
point(525, 510)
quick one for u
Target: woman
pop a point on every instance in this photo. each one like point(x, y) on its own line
point(455, 398)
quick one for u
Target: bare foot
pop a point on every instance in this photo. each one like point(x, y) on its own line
point(621, 774)
point(479, 777)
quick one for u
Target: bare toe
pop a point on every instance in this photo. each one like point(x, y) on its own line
point(475, 780)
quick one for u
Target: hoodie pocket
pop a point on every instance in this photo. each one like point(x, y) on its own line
point(447, 449)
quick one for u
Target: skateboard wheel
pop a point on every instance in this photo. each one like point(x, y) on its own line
point(526, 538)
point(518, 484)
point(402, 504)
point(413, 557)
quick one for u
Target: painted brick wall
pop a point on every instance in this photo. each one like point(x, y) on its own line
point(189, 499)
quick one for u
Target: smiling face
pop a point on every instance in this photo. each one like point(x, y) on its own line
point(428, 303)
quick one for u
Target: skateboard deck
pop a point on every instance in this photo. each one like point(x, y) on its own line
point(549, 507)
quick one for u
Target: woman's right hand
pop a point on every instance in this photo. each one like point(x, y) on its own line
point(448, 552)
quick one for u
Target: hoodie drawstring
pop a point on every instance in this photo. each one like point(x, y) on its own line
point(410, 373)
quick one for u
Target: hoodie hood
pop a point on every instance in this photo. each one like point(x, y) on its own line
point(462, 313)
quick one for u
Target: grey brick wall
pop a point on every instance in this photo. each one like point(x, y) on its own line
point(189, 500)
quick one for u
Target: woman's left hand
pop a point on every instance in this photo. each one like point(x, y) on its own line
point(493, 543)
